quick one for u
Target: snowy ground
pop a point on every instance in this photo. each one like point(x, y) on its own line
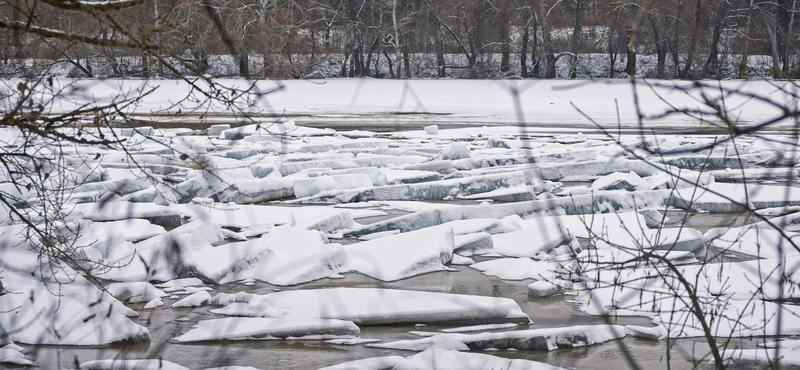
point(290, 246)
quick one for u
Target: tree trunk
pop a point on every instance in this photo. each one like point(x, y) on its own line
point(439, 52)
point(244, 65)
point(577, 30)
point(523, 54)
point(713, 56)
point(505, 58)
point(547, 45)
point(534, 59)
point(396, 39)
point(661, 48)
point(693, 41)
point(406, 61)
point(630, 41)
point(746, 41)
point(612, 50)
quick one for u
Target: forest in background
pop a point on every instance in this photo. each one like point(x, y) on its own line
point(678, 39)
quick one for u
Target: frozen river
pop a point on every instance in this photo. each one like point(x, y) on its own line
point(318, 185)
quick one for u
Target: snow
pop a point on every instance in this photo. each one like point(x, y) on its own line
point(13, 356)
point(403, 255)
point(252, 328)
point(373, 306)
point(529, 340)
point(193, 300)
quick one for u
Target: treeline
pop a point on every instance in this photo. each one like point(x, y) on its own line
point(687, 39)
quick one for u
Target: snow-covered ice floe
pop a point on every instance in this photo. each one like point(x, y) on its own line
point(250, 328)
point(373, 306)
point(530, 340)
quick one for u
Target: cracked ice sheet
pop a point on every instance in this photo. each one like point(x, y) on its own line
point(255, 328)
point(741, 296)
point(373, 306)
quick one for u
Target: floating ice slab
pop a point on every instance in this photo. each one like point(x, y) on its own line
point(121, 364)
point(251, 328)
point(518, 269)
point(396, 177)
point(527, 242)
point(372, 306)
point(193, 300)
point(524, 340)
point(403, 255)
point(374, 363)
point(480, 328)
point(315, 185)
point(433, 190)
point(445, 359)
point(13, 356)
point(289, 256)
point(82, 316)
point(762, 243)
point(542, 288)
point(135, 292)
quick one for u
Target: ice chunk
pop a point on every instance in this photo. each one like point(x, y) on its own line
point(518, 193)
point(404, 255)
point(373, 306)
point(433, 190)
point(542, 288)
point(256, 190)
point(166, 256)
point(758, 358)
point(454, 151)
point(480, 328)
point(123, 364)
point(446, 359)
point(470, 244)
point(706, 162)
point(618, 181)
point(517, 269)
point(80, 316)
point(525, 340)
point(396, 177)
point(527, 242)
point(215, 130)
point(10, 355)
point(432, 130)
point(352, 341)
point(338, 164)
point(755, 174)
point(254, 328)
point(762, 243)
point(288, 256)
point(156, 302)
point(181, 283)
point(193, 300)
point(374, 363)
point(135, 292)
point(652, 333)
point(314, 185)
